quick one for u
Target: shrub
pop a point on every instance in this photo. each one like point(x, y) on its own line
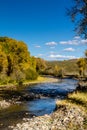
point(31, 74)
point(3, 78)
point(17, 76)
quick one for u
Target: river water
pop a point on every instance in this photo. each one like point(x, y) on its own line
point(49, 93)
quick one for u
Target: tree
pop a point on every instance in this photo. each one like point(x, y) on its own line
point(40, 65)
point(78, 14)
point(3, 61)
point(3, 66)
point(86, 53)
point(16, 64)
point(58, 71)
point(82, 66)
point(33, 62)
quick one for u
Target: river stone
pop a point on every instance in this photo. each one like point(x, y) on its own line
point(62, 119)
point(4, 104)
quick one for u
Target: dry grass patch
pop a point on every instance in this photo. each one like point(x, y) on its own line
point(79, 98)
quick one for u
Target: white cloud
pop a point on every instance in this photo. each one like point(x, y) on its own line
point(35, 56)
point(39, 55)
point(51, 43)
point(77, 37)
point(52, 47)
point(37, 46)
point(70, 42)
point(75, 41)
point(62, 56)
point(52, 52)
point(69, 49)
point(63, 42)
point(84, 41)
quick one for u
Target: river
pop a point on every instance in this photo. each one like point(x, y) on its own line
point(49, 93)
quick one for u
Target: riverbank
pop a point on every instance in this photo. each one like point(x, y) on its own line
point(70, 114)
point(66, 117)
point(10, 93)
point(4, 104)
point(40, 79)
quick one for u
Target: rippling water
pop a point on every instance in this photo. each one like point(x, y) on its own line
point(48, 92)
point(54, 89)
point(41, 106)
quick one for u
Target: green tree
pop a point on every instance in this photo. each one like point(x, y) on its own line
point(3, 66)
point(40, 65)
point(15, 61)
point(31, 74)
point(82, 66)
point(3, 61)
point(33, 62)
point(78, 14)
point(58, 71)
point(86, 54)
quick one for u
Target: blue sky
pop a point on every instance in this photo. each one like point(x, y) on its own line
point(43, 26)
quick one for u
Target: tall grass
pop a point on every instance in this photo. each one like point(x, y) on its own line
point(79, 98)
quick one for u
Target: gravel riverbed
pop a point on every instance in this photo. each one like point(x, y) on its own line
point(65, 118)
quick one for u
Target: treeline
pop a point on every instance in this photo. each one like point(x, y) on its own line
point(16, 63)
point(66, 67)
point(72, 68)
point(57, 68)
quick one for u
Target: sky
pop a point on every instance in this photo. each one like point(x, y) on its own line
point(44, 26)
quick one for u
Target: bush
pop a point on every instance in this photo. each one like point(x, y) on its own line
point(60, 73)
point(17, 76)
point(3, 78)
point(31, 74)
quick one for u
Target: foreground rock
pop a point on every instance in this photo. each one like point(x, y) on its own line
point(4, 104)
point(65, 118)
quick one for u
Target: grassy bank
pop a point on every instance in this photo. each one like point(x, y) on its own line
point(40, 79)
point(9, 91)
point(76, 100)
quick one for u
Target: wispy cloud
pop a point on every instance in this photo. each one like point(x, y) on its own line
point(75, 41)
point(69, 49)
point(62, 56)
point(51, 43)
point(77, 37)
point(84, 41)
point(52, 47)
point(52, 52)
point(63, 42)
point(70, 42)
point(37, 46)
point(39, 55)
